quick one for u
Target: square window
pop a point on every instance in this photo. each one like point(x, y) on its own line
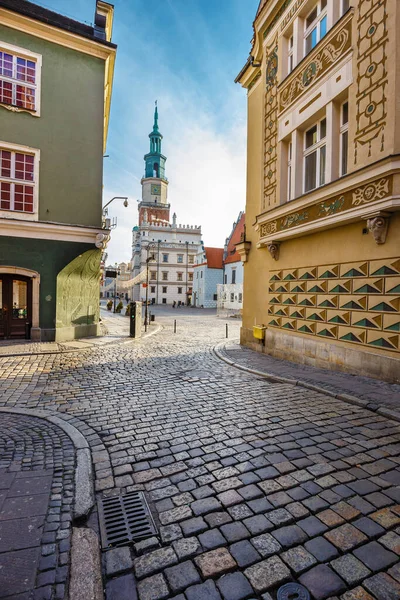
point(311, 137)
point(19, 168)
point(164, 290)
point(179, 290)
point(19, 78)
point(164, 301)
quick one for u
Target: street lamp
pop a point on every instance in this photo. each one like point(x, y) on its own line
point(124, 198)
point(148, 259)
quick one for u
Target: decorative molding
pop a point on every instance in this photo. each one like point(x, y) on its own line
point(49, 231)
point(372, 80)
point(354, 303)
point(243, 249)
point(102, 240)
point(271, 128)
point(254, 81)
point(378, 225)
point(368, 193)
point(273, 249)
point(317, 63)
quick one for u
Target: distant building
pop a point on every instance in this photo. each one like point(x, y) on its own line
point(172, 246)
point(56, 78)
point(230, 292)
point(208, 273)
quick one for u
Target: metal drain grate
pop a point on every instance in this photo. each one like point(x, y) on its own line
point(123, 519)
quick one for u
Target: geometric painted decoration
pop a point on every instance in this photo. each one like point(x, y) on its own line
point(356, 303)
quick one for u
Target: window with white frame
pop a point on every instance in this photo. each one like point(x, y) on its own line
point(232, 297)
point(19, 77)
point(190, 275)
point(165, 275)
point(153, 289)
point(191, 259)
point(165, 257)
point(153, 275)
point(179, 276)
point(290, 55)
point(180, 258)
point(316, 25)
point(289, 171)
point(344, 137)
point(233, 276)
point(315, 156)
point(164, 290)
point(240, 299)
point(18, 180)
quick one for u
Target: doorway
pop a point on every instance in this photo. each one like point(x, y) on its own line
point(15, 306)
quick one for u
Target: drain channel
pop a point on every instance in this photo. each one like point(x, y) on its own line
point(123, 519)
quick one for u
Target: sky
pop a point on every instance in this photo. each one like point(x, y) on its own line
point(185, 54)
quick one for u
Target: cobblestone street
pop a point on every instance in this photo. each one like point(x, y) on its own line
point(252, 483)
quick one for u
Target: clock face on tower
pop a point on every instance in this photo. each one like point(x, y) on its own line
point(156, 190)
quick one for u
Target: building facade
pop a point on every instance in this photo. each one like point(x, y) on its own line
point(208, 274)
point(322, 250)
point(166, 249)
point(55, 91)
point(230, 292)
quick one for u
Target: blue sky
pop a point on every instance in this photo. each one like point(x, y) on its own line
point(185, 54)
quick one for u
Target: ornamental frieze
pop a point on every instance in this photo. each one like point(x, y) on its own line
point(364, 194)
point(316, 65)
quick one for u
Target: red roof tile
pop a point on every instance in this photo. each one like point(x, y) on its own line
point(232, 255)
point(214, 257)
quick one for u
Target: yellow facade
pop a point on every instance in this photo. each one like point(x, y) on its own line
point(322, 247)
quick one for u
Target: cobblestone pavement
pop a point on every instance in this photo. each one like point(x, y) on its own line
point(36, 492)
point(376, 393)
point(253, 484)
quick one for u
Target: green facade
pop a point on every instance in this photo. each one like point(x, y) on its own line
point(69, 132)
point(49, 258)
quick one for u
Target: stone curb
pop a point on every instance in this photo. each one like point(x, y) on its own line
point(159, 327)
point(86, 578)
point(84, 490)
point(384, 412)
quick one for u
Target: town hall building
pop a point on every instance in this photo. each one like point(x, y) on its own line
point(166, 248)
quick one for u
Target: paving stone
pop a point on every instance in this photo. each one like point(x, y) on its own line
point(279, 499)
point(315, 503)
point(218, 518)
point(290, 536)
point(345, 537)
point(118, 560)
point(369, 527)
point(267, 574)
point(312, 526)
point(321, 549)
point(358, 593)
point(297, 510)
point(154, 561)
point(383, 587)
point(350, 569)
point(249, 492)
point(258, 524)
point(153, 588)
point(182, 576)
point(229, 498)
point(145, 545)
point(193, 526)
point(186, 547)
point(391, 541)
point(322, 582)
point(204, 591)
point(298, 559)
point(385, 517)
point(175, 515)
point(330, 518)
point(205, 505)
point(212, 539)
point(375, 556)
point(234, 586)
point(215, 562)
point(169, 533)
point(234, 532)
point(121, 588)
point(244, 553)
point(361, 504)
point(266, 544)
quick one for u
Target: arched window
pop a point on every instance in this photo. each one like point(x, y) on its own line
point(155, 169)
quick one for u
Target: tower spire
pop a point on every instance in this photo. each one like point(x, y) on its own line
point(155, 126)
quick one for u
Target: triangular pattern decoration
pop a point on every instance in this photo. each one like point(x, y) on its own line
point(350, 337)
point(338, 319)
point(395, 290)
point(306, 302)
point(289, 301)
point(296, 315)
point(366, 323)
point(298, 289)
point(360, 272)
point(328, 275)
point(329, 303)
point(305, 329)
point(282, 289)
point(317, 289)
point(288, 326)
point(326, 333)
point(394, 327)
point(383, 307)
point(315, 317)
point(340, 289)
point(274, 323)
point(368, 289)
point(281, 313)
point(289, 277)
point(382, 343)
point(353, 305)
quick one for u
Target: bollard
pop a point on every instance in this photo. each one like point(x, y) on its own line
point(174, 325)
point(226, 330)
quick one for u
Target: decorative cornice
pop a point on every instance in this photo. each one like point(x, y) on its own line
point(364, 194)
point(378, 225)
point(243, 249)
point(51, 231)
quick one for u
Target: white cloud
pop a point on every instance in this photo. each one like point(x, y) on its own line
point(205, 166)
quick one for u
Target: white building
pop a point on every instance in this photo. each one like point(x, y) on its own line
point(230, 293)
point(166, 249)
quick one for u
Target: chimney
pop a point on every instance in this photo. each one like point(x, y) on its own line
point(103, 20)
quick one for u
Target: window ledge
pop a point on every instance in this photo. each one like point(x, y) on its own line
point(18, 109)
